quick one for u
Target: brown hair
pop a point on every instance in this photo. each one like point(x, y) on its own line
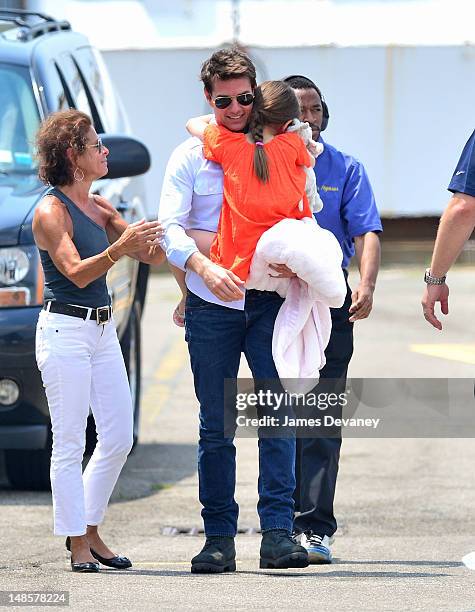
point(275, 103)
point(225, 64)
point(57, 133)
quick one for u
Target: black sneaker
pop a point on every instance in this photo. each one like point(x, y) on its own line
point(217, 555)
point(280, 551)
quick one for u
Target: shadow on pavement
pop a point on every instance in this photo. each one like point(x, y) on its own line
point(153, 468)
point(349, 574)
point(149, 470)
point(405, 562)
point(145, 572)
point(277, 574)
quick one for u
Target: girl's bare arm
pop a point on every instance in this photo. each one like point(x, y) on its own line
point(197, 125)
point(203, 239)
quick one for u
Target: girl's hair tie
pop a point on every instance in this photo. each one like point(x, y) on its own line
point(259, 143)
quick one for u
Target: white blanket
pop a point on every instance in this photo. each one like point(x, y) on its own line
point(303, 325)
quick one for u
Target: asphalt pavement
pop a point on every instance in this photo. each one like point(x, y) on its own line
point(405, 505)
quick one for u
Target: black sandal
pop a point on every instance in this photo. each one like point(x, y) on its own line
point(89, 567)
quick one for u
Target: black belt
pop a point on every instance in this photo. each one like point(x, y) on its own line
point(101, 315)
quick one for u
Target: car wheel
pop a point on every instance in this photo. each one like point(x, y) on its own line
point(29, 469)
point(131, 350)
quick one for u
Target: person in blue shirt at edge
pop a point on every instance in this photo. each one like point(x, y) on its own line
point(455, 228)
point(350, 213)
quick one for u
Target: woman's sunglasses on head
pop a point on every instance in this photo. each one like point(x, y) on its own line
point(244, 99)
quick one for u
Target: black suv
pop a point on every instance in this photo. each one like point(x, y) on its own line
point(46, 67)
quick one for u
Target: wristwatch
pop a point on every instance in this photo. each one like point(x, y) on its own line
point(433, 280)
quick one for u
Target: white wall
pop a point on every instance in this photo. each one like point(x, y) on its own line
point(406, 112)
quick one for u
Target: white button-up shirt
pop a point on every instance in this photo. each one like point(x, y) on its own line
point(192, 197)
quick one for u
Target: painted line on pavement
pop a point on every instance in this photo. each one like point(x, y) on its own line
point(464, 353)
point(159, 391)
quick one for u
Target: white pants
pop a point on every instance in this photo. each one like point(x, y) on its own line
point(82, 366)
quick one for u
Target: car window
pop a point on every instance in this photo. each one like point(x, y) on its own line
point(87, 64)
point(19, 120)
point(65, 99)
point(56, 98)
point(75, 83)
point(105, 96)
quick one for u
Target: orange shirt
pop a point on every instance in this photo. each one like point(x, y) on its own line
point(251, 207)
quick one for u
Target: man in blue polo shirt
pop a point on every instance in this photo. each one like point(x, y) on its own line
point(455, 228)
point(349, 211)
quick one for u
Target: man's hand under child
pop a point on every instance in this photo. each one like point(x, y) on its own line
point(223, 283)
point(282, 271)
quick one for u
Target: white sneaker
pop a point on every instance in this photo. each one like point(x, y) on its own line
point(318, 547)
point(468, 561)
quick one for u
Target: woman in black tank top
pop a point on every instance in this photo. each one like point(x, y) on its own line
point(80, 237)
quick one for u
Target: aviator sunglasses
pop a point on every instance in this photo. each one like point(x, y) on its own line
point(244, 99)
point(97, 145)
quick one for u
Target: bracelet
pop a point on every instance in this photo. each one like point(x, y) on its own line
point(434, 280)
point(113, 261)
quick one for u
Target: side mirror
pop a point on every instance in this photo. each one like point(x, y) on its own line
point(127, 156)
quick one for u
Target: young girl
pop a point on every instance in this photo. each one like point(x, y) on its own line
point(264, 178)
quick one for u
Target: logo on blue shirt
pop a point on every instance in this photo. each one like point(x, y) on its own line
point(326, 188)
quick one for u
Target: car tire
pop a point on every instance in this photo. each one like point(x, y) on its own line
point(131, 344)
point(29, 469)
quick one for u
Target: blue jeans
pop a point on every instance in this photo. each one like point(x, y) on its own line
point(216, 336)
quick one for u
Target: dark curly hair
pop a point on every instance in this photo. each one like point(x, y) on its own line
point(57, 133)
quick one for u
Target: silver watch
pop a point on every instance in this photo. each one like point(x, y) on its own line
point(433, 280)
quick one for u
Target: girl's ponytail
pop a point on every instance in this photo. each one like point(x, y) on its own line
point(275, 104)
point(260, 158)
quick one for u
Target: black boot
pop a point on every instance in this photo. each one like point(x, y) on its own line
point(279, 551)
point(218, 555)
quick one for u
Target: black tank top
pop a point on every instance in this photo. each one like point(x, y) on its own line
point(89, 238)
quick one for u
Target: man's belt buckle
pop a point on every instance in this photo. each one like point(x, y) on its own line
point(103, 315)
